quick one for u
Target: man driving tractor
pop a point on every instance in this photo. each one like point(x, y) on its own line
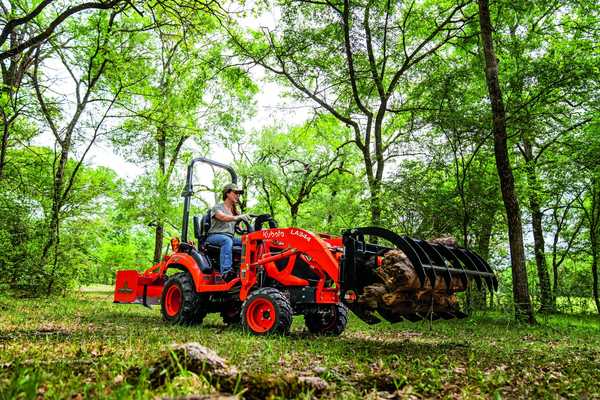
point(224, 217)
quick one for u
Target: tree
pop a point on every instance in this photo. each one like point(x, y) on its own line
point(354, 59)
point(25, 22)
point(522, 301)
point(25, 201)
point(86, 64)
point(547, 98)
point(589, 201)
point(186, 91)
point(294, 163)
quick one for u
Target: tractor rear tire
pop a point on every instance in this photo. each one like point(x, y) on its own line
point(180, 303)
point(327, 321)
point(267, 311)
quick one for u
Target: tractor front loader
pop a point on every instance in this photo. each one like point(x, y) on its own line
point(282, 272)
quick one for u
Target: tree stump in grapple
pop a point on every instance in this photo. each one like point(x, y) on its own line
point(400, 293)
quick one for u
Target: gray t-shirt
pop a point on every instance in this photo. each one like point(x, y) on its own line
point(218, 226)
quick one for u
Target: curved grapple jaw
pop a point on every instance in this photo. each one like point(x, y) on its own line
point(413, 280)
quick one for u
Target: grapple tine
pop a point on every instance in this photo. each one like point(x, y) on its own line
point(468, 263)
point(424, 257)
point(482, 267)
point(434, 255)
point(401, 281)
point(491, 279)
point(455, 263)
point(389, 316)
point(413, 256)
point(446, 315)
point(413, 317)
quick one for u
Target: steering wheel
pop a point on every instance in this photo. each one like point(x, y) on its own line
point(242, 227)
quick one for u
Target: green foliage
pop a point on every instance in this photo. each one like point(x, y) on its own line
point(24, 202)
point(419, 153)
point(83, 344)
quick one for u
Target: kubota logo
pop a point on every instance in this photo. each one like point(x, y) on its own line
point(273, 234)
point(125, 289)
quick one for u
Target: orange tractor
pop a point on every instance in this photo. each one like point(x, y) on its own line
point(282, 272)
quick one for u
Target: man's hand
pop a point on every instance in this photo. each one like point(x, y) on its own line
point(244, 217)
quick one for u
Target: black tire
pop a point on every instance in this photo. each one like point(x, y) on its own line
point(190, 311)
point(327, 320)
point(267, 311)
point(232, 314)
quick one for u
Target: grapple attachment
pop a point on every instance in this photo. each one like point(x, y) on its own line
point(413, 280)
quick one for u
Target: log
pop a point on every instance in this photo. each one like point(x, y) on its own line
point(203, 361)
point(399, 291)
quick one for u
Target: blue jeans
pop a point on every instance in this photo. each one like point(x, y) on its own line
point(226, 243)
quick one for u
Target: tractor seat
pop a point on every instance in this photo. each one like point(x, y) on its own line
point(201, 228)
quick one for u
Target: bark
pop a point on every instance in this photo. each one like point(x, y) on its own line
point(375, 201)
point(595, 272)
point(523, 309)
point(294, 212)
point(158, 241)
point(594, 220)
point(546, 299)
point(329, 209)
point(4, 144)
point(161, 143)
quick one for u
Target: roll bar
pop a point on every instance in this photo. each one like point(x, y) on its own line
point(188, 190)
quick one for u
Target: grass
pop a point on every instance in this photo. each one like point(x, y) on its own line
point(83, 346)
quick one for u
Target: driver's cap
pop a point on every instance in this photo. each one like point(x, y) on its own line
point(232, 187)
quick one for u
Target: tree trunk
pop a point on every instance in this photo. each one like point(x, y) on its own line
point(4, 147)
point(158, 241)
point(523, 309)
point(161, 142)
point(546, 298)
point(375, 201)
point(594, 219)
point(57, 195)
point(294, 208)
point(595, 273)
point(329, 209)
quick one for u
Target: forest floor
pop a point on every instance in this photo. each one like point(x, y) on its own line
point(86, 346)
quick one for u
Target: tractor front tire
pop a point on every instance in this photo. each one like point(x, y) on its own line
point(180, 303)
point(267, 311)
point(327, 320)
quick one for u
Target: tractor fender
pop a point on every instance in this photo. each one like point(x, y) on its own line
point(185, 262)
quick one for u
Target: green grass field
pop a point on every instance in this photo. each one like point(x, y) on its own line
point(83, 346)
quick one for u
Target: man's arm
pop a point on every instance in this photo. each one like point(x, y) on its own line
point(221, 216)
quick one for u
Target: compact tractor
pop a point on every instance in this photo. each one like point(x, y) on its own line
point(282, 272)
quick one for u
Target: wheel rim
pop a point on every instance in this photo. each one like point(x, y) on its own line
point(173, 301)
point(261, 315)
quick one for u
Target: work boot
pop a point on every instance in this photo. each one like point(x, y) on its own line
point(229, 276)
